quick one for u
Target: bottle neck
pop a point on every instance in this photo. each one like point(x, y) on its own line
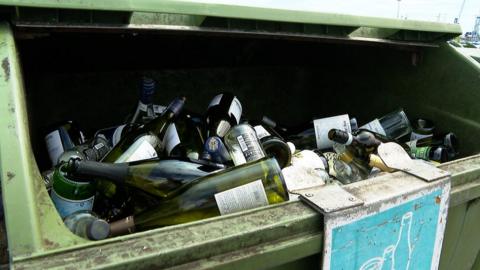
point(117, 172)
point(123, 226)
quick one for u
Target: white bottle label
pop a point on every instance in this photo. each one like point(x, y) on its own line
point(307, 170)
point(374, 126)
point(244, 197)
point(142, 107)
point(141, 149)
point(171, 138)
point(158, 109)
point(215, 100)
point(66, 206)
point(54, 146)
point(261, 131)
point(236, 109)
point(117, 134)
point(324, 125)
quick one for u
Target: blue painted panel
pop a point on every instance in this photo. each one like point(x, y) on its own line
point(400, 238)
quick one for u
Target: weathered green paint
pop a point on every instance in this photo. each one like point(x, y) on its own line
point(31, 220)
point(239, 12)
point(466, 244)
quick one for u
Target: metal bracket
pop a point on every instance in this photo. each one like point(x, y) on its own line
point(395, 157)
point(329, 198)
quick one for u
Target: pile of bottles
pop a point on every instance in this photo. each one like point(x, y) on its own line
point(166, 165)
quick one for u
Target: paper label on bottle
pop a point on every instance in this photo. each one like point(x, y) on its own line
point(66, 206)
point(171, 138)
point(375, 126)
point(141, 149)
point(324, 125)
point(244, 197)
point(250, 147)
point(54, 146)
point(307, 170)
point(236, 109)
point(158, 109)
point(417, 136)
point(215, 100)
point(117, 134)
point(261, 132)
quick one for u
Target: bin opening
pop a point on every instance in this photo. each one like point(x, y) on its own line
point(94, 79)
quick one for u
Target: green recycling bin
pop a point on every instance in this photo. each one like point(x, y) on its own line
point(82, 59)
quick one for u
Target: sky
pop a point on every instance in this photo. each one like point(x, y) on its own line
point(425, 10)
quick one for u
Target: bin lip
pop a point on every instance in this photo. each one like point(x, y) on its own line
point(207, 8)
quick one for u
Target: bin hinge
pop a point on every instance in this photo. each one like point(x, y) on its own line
point(329, 198)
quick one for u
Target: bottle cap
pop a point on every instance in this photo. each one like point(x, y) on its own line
point(148, 90)
point(176, 105)
point(340, 136)
point(354, 124)
point(98, 230)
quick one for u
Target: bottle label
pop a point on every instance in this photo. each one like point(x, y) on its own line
point(171, 138)
point(54, 146)
point(417, 136)
point(142, 106)
point(307, 170)
point(375, 126)
point(261, 132)
point(236, 109)
point(141, 149)
point(422, 153)
point(244, 197)
point(324, 125)
point(117, 134)
point(158, 109)
point(215, 101)
point(250, 147)
point(66, 206)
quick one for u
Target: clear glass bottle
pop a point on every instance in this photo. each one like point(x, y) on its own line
point(243, 144)
point(87, 225)
point(393, 125)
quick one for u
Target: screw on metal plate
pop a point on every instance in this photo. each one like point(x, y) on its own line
point(395, 157)
point(329, 198)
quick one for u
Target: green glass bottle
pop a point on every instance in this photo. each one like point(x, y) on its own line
point(143, 143)
point(160, 178)
point(234, 189)
point(71, 194)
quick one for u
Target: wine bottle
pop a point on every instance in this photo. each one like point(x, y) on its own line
point(243, 145)
point(273, 145)
point(234, 189)
point(184, 138)
point(140, 144)
point(357, 148)
point(344, 172)
point(61, 138)
point(71, 194)
point(87, 225)
point(145, 110)
point(433, 153)
point(113, 134)
point(393, 125)
point(160, 178)
point(87, 151)
point(215, 150)
point(223, 112)
point(422, 128)
point(317, 136)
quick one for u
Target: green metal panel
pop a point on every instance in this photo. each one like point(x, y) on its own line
point(212, 16)
point(259, 238)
